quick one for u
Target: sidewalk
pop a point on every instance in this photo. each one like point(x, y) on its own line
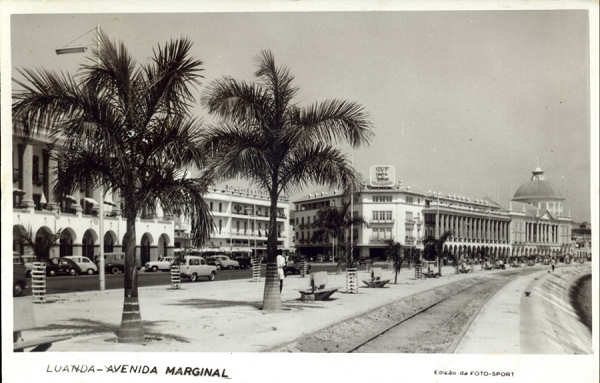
point(216, 316)
point(512, 323)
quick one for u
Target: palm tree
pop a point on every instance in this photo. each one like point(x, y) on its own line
point(394, 251)
point(265, 137)
point(337, 223)
point(432, 248)
point(126, 128)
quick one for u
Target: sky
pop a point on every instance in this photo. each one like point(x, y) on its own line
point(461, 102)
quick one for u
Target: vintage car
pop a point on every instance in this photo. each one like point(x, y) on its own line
point(222, 261)
point(162, 264)
point(193, 267)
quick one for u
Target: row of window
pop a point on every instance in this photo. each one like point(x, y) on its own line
point(382, 215)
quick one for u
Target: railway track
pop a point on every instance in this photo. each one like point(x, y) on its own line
point(439, 327)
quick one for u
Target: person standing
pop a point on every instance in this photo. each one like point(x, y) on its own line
point(280, 266)
point(552, 264)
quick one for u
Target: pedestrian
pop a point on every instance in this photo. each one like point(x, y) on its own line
point(280, 266)
point(552, 265)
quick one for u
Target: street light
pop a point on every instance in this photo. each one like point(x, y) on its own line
point(82, 49)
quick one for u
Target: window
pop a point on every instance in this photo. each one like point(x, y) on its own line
point(211, 206)
point(382, 198)
point(409, 215)
point(220, 207)
point(409, 199)
point(220, 226)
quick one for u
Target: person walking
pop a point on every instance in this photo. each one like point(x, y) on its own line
point(552, 264)
point(280, 266)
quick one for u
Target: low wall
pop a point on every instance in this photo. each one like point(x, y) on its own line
point(549, 323)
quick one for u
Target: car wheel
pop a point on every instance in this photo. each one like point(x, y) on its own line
point(73, 272)
point(18, 289)
point(115, 270)
point(212, 276)
point(51, 273)
point(194, 277)
point(90, 271)
point(154, 268)
point(230, 267)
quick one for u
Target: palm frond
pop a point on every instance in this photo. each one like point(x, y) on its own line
point(329, 121)
point(238, 101)
point(321, 164)
point(278, 81)
point(45, 99)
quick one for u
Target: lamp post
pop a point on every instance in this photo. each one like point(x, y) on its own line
point(101, 271)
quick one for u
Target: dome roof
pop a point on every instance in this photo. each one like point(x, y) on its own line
point(536, 189)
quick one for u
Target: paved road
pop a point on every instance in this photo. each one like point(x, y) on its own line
point(65, 284)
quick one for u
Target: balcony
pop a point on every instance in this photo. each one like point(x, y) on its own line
point(381, 221)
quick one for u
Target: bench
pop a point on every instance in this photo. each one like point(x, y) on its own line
point(376, 280)
point(23, 319)
point(318, 290)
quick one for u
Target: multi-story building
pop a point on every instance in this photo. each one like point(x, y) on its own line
point(304, 218)
point(479, 227)
point(539, 223)
point(36, 208)
point(241, 222)
point(581, 235)
point(389, 211)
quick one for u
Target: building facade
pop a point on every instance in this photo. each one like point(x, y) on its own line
point(241, 222)
point(539, 224)
point(479, 228)
point(37, 209)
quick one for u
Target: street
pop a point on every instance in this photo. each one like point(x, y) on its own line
point(68, 283)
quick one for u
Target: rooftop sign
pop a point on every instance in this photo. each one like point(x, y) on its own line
point(382, 176)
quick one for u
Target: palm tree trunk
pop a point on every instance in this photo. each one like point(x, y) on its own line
point(131, 330)
point(272, 296)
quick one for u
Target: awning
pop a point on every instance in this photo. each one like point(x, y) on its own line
point(18, 191)
point(71, 198)
point(90, 200)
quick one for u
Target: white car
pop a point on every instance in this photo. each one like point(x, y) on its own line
point(85, 264)
point(194, 267)
point(162, 264)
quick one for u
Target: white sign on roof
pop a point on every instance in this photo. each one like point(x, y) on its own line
point(382, 176)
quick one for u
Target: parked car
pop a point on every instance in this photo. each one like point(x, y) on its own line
point(86, 266)
point(223, 262)
point(294, 269)
point(19, 279)
point(62, 266)
point(162, 264)
point(114, 263)
point(244, 261)
point(194, 267)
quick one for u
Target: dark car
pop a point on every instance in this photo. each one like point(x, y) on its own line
point(19, 280)
point(293, 269)
point(62, 266)
point(245, 262)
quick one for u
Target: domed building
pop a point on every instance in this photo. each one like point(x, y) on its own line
point(539, 225)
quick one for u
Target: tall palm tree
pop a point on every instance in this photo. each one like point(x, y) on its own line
point(125, 127)
point(265, 137)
